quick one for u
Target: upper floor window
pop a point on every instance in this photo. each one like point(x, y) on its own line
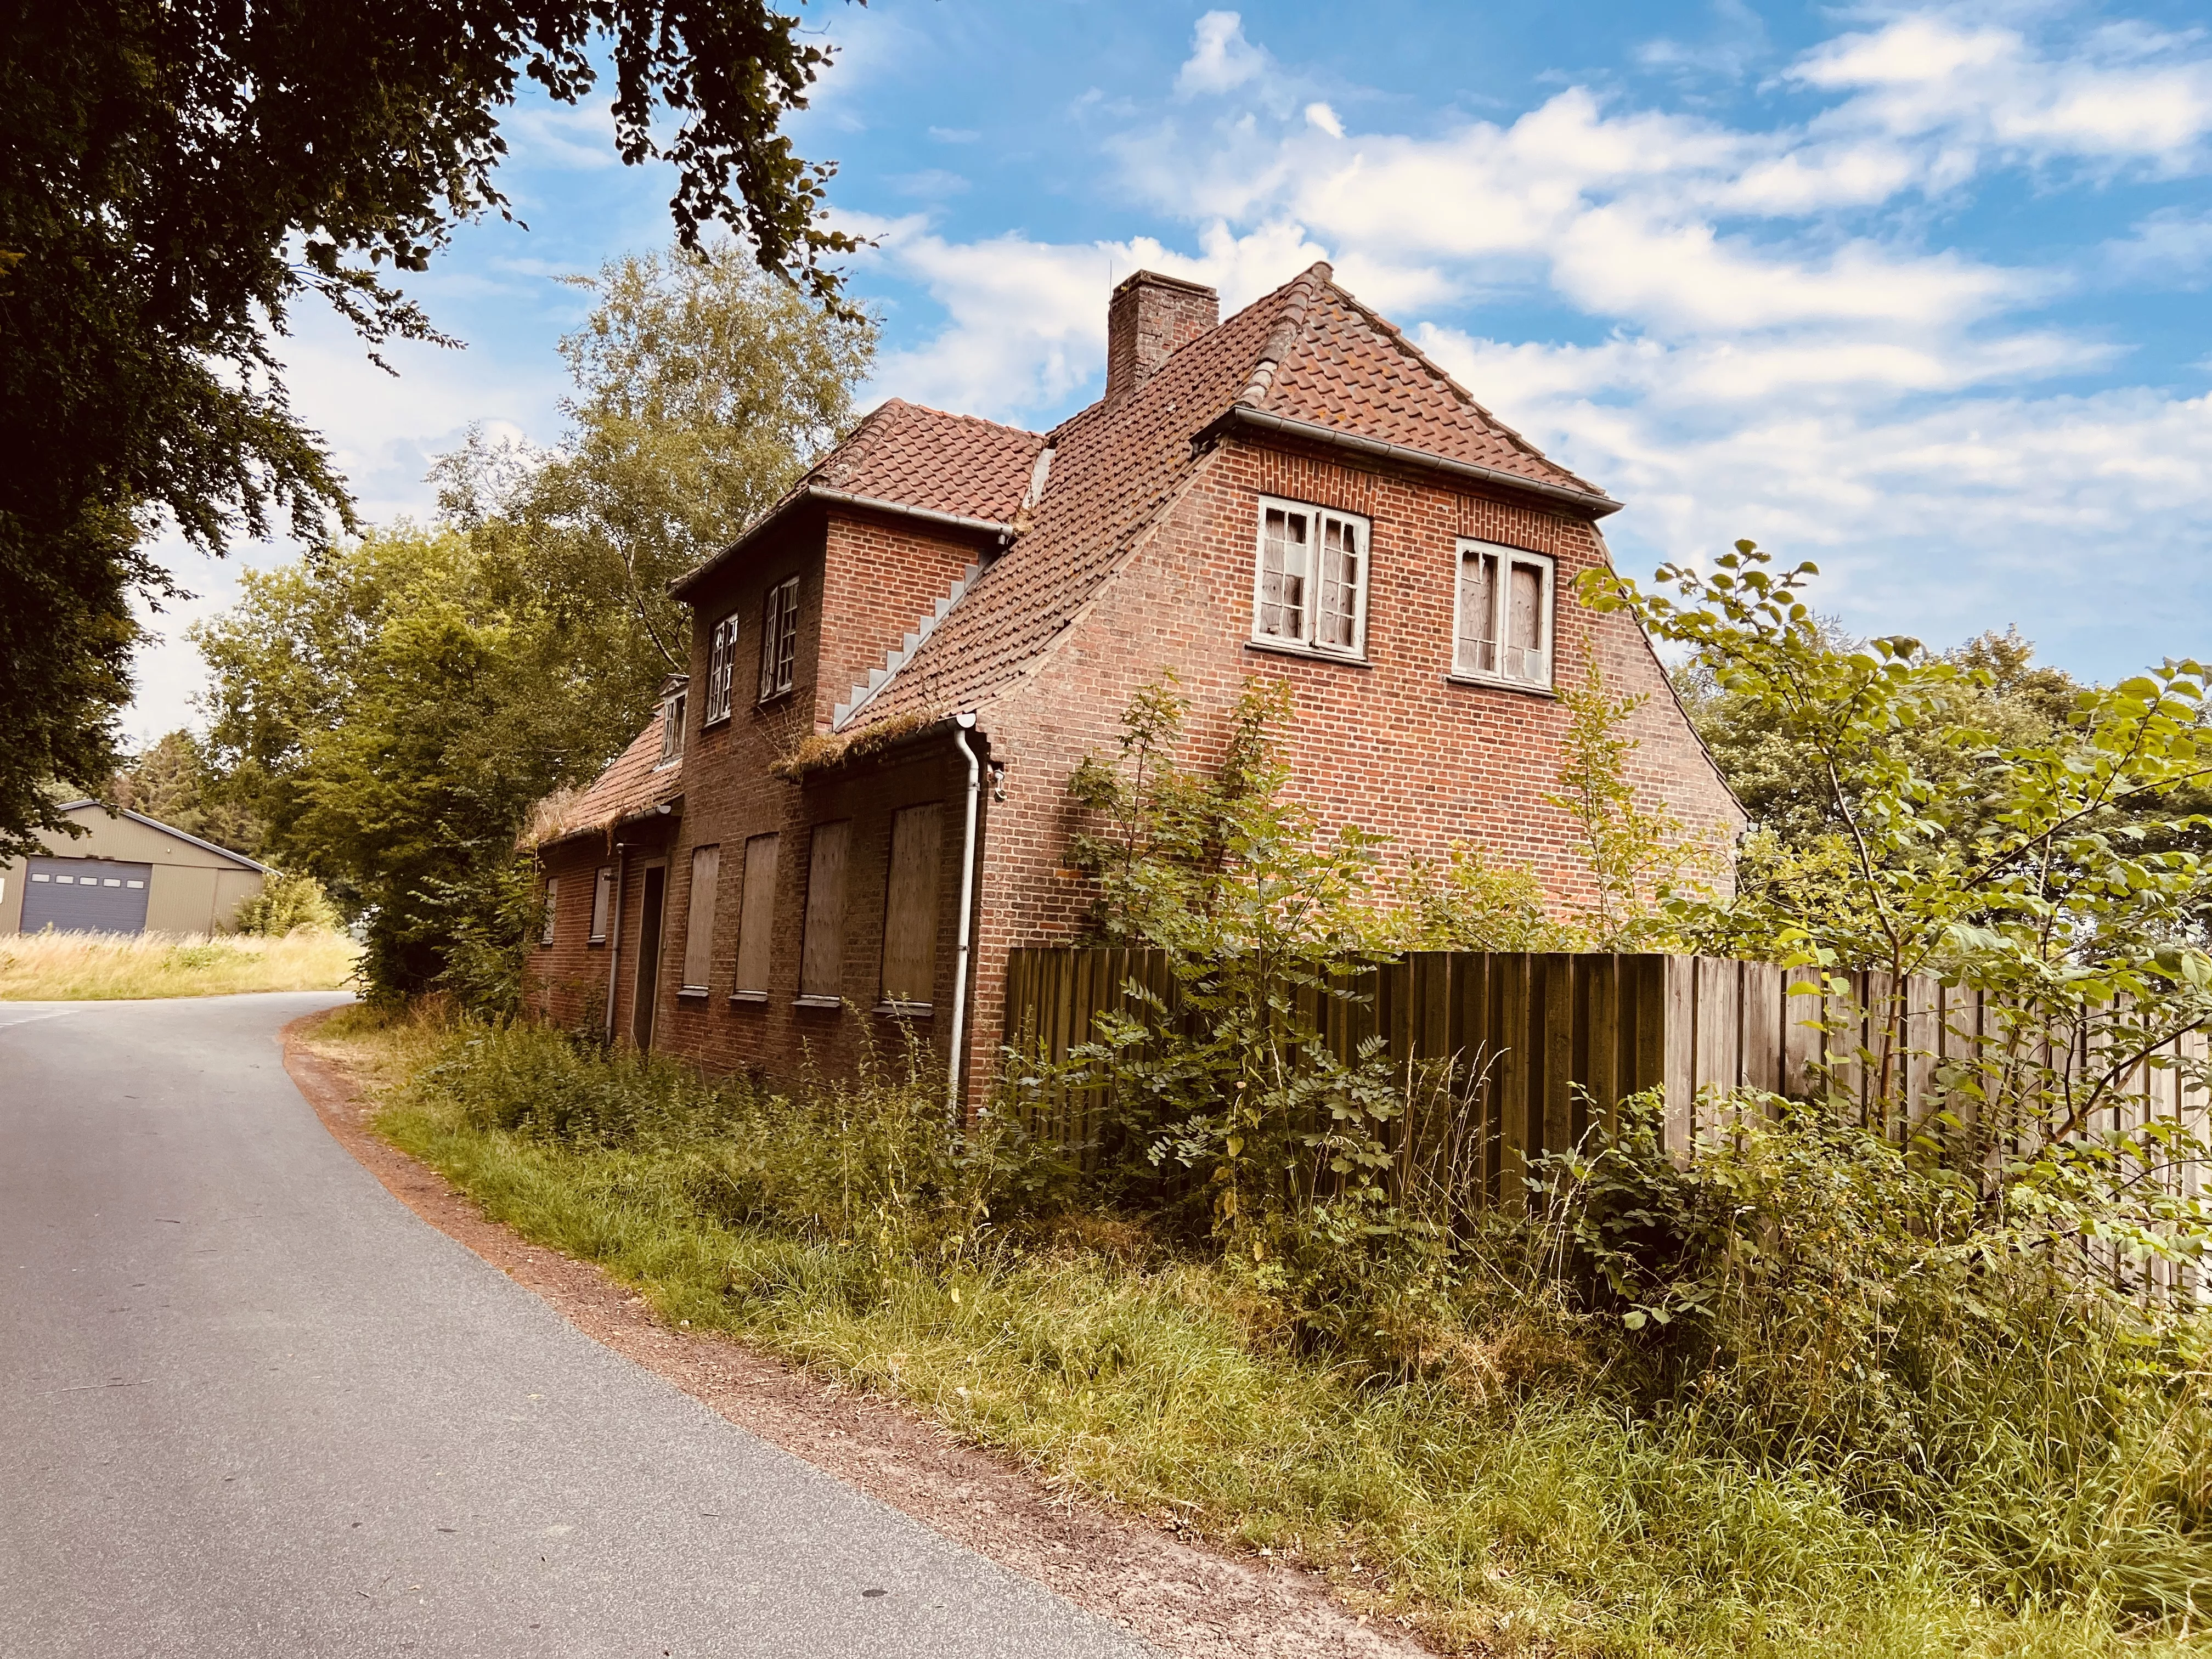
point(1504, 630)
point(722, 668)
point(671, 726)
point(779, 638)
point(1309, 579)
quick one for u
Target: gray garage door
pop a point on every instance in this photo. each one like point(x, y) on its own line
point(86, 895)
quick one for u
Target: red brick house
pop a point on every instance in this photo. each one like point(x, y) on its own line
point(857, 802)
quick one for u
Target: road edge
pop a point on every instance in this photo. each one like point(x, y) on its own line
point(1187, 1600)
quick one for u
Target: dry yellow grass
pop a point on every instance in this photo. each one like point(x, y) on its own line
point(106, 967)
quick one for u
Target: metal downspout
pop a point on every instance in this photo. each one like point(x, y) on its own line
point(963, 927)
point(614, 937)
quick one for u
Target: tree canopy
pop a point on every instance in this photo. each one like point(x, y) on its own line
point(182, 174)
point(390, 708)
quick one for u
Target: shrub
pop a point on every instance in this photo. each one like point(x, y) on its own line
point(288, 904)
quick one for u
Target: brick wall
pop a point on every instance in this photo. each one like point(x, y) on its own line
point(1392, 746)
point(1391, 743)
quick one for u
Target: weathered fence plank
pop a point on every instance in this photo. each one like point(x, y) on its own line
point(1508, 1055)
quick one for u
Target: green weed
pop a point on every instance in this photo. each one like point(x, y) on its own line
point(1512, 1495)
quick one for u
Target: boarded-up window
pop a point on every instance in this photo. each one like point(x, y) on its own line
point(779, 639)
point(910, 904)
point(699, 918)
point(1504, 630)
point(1310, 584)
point(603, 901)
point(756, 916)
point(552, 908)
point(821, 958)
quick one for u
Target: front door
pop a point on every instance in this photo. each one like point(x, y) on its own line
point(648, 955)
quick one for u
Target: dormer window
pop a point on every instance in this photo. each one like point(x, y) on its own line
point(672, 726)
point(779, 639)
point(1309, 579)
point(1504, 632)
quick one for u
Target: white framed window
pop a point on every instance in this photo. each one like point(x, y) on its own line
point(1501, 631)
point(671, 726)
point(603, 901)
point(722, 668)
point(552, 910)
point(779, 639)
point(1310, 579)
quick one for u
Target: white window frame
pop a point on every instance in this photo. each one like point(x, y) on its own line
point(779, 640)
point(1501, 598)
point(721, 669)
point(672, 726)
point(1306, 641)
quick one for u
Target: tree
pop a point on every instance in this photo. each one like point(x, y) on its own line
point(392, 709)
point(181, 173)
point(704, 388)
point(174, 781)
point(2047, 862)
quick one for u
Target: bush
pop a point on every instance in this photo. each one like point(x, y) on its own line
point(288, 904)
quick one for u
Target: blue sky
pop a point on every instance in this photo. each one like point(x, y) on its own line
point(1916, 292)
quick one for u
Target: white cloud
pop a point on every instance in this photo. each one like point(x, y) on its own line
point(2121, 94)
point(1221, 59)
point(1793, 353)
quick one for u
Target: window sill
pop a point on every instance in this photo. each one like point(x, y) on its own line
point(1286, 648)
point(907, 1010)
point(749, 996)
point(698, 992)
point(811, 999)
point(709, 725)
point(600, 941)
point(1484, 682)
point(775, 697)
point(673, 760)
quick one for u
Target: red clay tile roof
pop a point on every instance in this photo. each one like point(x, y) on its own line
point(1308, 352)
point(941, 462)
point(1345, 367)
point(910, 456)
point(634, 782)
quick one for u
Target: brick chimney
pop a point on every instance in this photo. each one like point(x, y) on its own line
point(1149, 316)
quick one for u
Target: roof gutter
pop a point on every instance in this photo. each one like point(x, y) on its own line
point(684, 584)
point(1585, 500)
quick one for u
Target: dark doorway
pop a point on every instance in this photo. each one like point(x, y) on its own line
point(649, 956)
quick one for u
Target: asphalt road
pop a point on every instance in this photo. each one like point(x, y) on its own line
point(253, 1406)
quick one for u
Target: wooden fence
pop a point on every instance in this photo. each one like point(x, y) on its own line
point(1532, 1044)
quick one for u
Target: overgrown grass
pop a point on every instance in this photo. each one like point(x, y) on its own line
point(1495, 1509)
point(52, 966)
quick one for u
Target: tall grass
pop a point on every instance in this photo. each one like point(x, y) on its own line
point(100, 967)
point(1513, 1498)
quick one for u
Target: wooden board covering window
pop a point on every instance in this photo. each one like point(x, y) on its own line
point(910, 904)
point(602, 894)
point(699, 918)
point(822, 959)
point(757, 914)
